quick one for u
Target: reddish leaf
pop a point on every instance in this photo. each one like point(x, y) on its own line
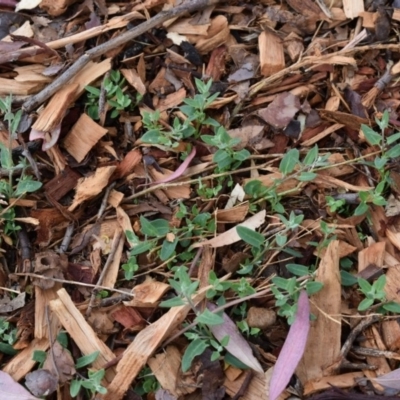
point(292, 350)
point(11, 390)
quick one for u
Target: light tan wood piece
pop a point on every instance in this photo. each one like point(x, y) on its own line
point(323, 345)
point(272, 58)
point(81, 332)
point(83, 136)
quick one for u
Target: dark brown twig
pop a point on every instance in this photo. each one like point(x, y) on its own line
point(188, 6)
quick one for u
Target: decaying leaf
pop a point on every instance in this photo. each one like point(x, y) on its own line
point(281, 111)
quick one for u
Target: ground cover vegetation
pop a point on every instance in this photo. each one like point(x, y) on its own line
point(199, 199)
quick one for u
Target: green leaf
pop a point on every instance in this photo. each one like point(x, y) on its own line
point(313, 287)
point(5, 157)
point(209, 318)
point(93, 90)
point(393, 152)
point(39, 356)
point(232, 360)
point(365, 304)
point(151, 136)
point(7, 349)
point(250, 236)
point(361, 209)
point(392, 138)
point(281, 282)
point(298, 269)
point(167, 249)
point(194, 349)
point(86, 360)
point(156, 228)
point(174, 302)
point(380, 283)
point(347, 278)
point(27, 186)
point(289, 161)
point(392, 306)
point(372, 137)
point(142, 247)
point(364, 285)
point(311, 156)
point(306, 176)
point(75, 387)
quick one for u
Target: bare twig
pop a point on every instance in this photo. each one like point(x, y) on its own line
point(188, 6)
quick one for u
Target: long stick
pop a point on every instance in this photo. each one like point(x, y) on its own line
point(188, 6)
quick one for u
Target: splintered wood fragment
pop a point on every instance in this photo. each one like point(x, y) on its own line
point(55, 110)
point(111, 274)
point(11, 86)
point(143, 346)
point(23, 362)
point(115, 198)
point(127, 165)
point(81, 332)
point(353, 8)
point(91, 186)
point(50, 264)
point(323, 345)
point(134, 79)
point(373, 255)
point(233, 215)
point(272, 58)
point(391, 334)
point(176, 192)
point(61, 184)
point(31, 73)
point(339, 381)
point(148, 293)
point(56, 7)
point(257, 389)
point(166, 368)
point(83, 136)
point(373, 340)
point(217, 35)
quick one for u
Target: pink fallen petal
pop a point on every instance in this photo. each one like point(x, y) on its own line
point(389, 380)
point(54, 135)
point(237, 345)
point(182, 168)
point(11, 390)
point(292, 350)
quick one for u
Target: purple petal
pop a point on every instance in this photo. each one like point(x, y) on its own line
point(237, 345)
point(292, 350)
point(389, 380)
point(180, 170)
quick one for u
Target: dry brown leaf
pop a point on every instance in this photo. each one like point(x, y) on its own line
point(231, 236)
point(91, 186)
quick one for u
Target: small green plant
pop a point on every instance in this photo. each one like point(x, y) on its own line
point(25, 183)
point(375, 292)
point(146, 382)
point(8, 336)
point(226, 157)
point(116, 98)
point(155, 231)
point(93, 381)
point(334, 205)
